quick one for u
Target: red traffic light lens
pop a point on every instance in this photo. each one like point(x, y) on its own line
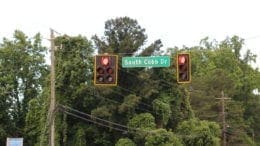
point(105, 60)
point(181, 59)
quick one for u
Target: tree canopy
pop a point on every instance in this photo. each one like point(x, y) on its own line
point(147, 107)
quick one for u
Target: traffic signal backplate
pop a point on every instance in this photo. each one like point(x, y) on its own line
point(105, 70)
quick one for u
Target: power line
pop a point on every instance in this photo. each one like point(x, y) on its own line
point(119, 127)
point(91, 116)
point(114, 101)
point(66, 108)
point(88, 120)
point(142, 103)
point(165, 82)
point(252, 37)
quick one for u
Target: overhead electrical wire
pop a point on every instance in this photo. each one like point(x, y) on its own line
point(169, 85)
point(92, 121)
point(117, 102)
point(142, 103)
point(97, 120)
point(112, 125)
point(90, 116)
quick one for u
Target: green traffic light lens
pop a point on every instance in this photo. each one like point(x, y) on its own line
point(183, 77)
point(100, 79)
point(110, 79)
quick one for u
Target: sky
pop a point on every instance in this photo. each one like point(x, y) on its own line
point(175, 22)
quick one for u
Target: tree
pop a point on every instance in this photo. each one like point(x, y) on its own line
point(122, 35)
point(146, 102)
point(74, 67)
point(134, 96)
point(23, 70)
point(36, 122)
point(161, 137)
point(143, 123)
point(220, 67)
point(195, 132)
point(125, 142)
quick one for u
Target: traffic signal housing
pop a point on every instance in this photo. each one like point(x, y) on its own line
point(183, 68)
point(105, 70)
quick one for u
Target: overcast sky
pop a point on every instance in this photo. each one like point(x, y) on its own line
point(175, 22)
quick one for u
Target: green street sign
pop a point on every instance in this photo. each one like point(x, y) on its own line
point(153, 61)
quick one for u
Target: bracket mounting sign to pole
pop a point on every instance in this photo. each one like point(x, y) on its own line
point(153, 61)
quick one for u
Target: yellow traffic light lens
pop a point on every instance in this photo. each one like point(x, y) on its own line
point(100, 70)
point(110, 70)
point(183, 68)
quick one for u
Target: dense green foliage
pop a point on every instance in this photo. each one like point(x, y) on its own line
point(219, 67)
point(148, 107)
point(22, 74)
point(197, 133)
point(161, 137)
point(125, 142)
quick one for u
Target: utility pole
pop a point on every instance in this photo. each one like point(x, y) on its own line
point(224, 137)
point(52, 100)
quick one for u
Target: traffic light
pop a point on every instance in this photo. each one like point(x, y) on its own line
point(183, 68)
point(105, 70)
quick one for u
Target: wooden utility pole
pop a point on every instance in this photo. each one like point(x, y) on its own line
point(224, 129)
point(223, 118)
point(52, 100)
